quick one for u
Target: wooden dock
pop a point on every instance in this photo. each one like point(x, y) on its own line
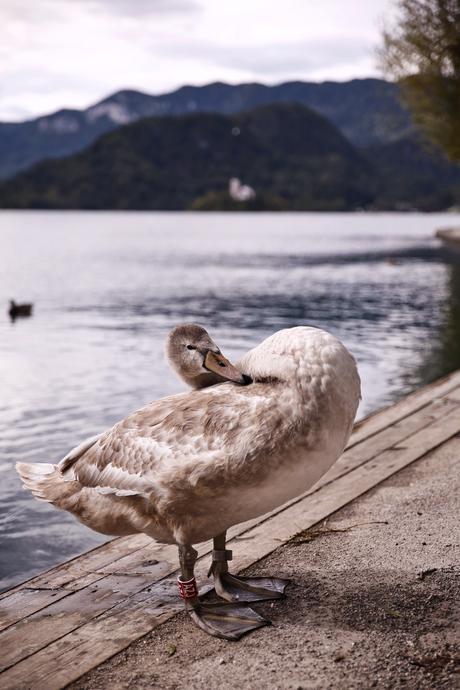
point(450, 237)
point(63, 623)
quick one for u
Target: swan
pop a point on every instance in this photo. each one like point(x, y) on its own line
point(185, 468)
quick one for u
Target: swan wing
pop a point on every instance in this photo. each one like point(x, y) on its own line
point(193, 437)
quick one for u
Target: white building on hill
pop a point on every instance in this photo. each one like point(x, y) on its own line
point(240, 192)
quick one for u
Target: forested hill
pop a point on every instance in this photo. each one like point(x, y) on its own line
point(366, 111)
point(293, 157)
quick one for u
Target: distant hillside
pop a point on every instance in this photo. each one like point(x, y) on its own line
point(413, 174)
point(293, 157)
point(366, 111)
point(284, 151)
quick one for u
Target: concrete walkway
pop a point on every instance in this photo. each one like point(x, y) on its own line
point(374, 603)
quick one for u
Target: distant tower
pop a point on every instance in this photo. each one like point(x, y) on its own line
point(240, 192)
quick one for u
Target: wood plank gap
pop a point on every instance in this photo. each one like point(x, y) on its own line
point(46, 626)
point(102, 552)
point(381, 419)
point(25, 602)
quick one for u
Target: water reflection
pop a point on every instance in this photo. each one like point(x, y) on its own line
point(444, 356)
point(108, 287)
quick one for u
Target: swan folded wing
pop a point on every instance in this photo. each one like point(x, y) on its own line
point(77, 452)
point(182, 437)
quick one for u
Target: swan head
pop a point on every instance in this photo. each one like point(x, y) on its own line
point(196, 358)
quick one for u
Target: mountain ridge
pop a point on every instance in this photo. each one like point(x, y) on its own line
point(167, 163)
point(294, 158)
point(366, 111)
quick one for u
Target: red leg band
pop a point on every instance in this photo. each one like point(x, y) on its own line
point(188, 589)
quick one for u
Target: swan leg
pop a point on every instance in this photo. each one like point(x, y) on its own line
point(241, 589)
point(228, 621)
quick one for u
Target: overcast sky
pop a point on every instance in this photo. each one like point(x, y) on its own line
point(71, 53)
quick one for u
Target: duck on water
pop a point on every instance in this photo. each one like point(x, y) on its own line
point(185, 468)
point(17, 310)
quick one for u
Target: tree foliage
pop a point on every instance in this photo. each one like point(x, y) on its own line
point(422, 51)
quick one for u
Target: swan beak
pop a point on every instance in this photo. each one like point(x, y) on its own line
point(219, 365)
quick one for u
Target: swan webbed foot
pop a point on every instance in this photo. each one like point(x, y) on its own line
point(219, 619)
point(241, 589)
point(244, 589)
point(227, 621)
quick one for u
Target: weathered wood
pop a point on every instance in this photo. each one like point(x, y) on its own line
point(450, 238)
point(130, 556)
point(391, 414)
point(61, 663)
point(67, 573)
point(83, 570)
point(43, 590)
point(60, 634)
point(77, 608)
point(73, 655)
point(23, 602)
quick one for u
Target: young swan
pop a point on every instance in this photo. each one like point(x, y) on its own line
point(197, 360)
point(185, 468)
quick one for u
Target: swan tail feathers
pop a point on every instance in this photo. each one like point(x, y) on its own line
point(45, 482)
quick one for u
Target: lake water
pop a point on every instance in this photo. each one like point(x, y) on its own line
point(107, 287)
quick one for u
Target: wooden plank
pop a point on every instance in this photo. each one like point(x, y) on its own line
point(143, 559)
point(24, 602)
point(414, 401)
point(41, 591)
point(68, 658)
point(77, 608)
point(83, 570)
point(111, 553)
point(116, 633)
point(129, 557)
point(73, 574)
point(80, 570)
point(64, 574)
point(454, 395)
point(450, 237)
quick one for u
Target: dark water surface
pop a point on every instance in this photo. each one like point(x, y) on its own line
point(107, 287)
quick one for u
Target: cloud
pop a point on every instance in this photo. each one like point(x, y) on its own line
point(24, 11)
point(273, 60)
point(71, 53)
point(134, 8)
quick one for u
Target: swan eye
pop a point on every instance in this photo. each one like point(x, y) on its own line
point(191, 347)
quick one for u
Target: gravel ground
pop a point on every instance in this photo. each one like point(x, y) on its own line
point(374, 604)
